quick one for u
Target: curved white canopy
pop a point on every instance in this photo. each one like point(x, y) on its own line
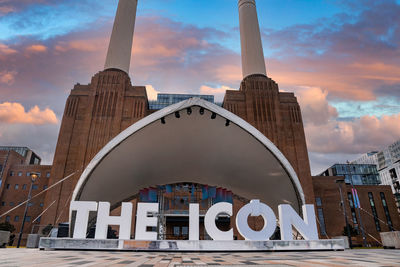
point(192, 148)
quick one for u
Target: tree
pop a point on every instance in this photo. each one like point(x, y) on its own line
point(6, 226)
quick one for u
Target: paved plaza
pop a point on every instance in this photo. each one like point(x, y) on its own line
point(33, 257)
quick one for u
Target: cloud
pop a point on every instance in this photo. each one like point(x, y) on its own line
point(6, 50)
point(7, 77)
point(36, 48)
point(218, 92)
point(314, 105)
point(15, 113)
point(151, 92)
point(326, 133)
point(350, 56)
point(6, 9)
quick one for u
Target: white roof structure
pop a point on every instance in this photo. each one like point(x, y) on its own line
point(191, 148)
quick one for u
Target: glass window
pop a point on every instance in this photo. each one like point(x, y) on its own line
point(31, 204)
point(47, 174)
point(44, 187)
point(28, 218)
point(7, 218)
point(41, 204)
point(3, 203)
point(185, 230)
point(321, 220)
point(318, 201)
point(176, 230)
point(24, 187)
point(11, 173)
point(19, 173)
point(387, 214)
point(35, 186)
point(28, 174)
point(11, 203)
point(39, 219)
point(374, 213)
point(8, 186)
point(16, 218)
point(16, 186)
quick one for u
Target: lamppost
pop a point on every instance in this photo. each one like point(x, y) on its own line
point(34, 176)
point(340, 182)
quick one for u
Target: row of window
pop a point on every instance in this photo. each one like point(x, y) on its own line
point(27, 219)
point(12, 173)
point(321, 218)
point(24, 187)
point(3, 203)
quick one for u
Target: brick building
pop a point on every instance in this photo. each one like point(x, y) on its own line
point(15, 185)
point(377, 209)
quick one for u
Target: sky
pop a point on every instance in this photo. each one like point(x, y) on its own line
point(340, 57)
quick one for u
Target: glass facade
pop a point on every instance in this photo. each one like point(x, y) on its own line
point(353, 210)
point(356, 174)
point(320, 213)
point(165, 100)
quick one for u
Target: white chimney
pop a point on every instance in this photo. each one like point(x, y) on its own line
point(252, 51)
point(120, 48)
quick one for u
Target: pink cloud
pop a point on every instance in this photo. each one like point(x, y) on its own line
point(6, 50)
point(36, 48)
point(7, 77)
point(325, 133)
point(15, 113)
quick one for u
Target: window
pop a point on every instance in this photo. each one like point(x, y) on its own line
point(28, 174)
point(47, 174)
point(41, 204)
point(44, 187)
point(353, 210)
point(318, 201)
point(385, 208)
point(28, 218)
point(11, 173)
point(176, 231)
point(19, 173)
point(321, 220)
point(8, 186)
point(7, 218)
point(16, 186)
point(185, 230)
point(30, 204)
point(16, 218)
point(38, 219)
point(373, 208)
point(24, 187)
point(11, 203)
point(3, 203)
point(35, 186)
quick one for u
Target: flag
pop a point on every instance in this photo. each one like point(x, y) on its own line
point(204, 192)
point(219, 197)
point(355, 198)
point(144, 194)
point(229, 196)
point(168, 188)
point(152, 195)
point(212, 192)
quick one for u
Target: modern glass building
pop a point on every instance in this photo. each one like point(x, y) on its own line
point(165, 100)
point(356, 174)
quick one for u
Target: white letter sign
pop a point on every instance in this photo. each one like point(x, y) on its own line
point(209, 221)
point(307, 227)
point(143, 221)
point(104, 220)
point(82, 216)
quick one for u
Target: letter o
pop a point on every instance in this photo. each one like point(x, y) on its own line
point(255, 208)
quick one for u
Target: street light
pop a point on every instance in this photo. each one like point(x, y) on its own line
point(340, 182)
point(34, 177)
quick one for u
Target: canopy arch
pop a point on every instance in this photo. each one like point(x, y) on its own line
point(221, 150)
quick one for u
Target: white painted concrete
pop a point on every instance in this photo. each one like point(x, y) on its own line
point(120, 48)
point(252, 51)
